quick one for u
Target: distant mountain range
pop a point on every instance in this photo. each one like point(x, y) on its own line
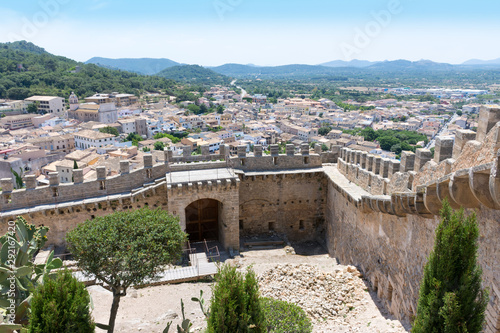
point(286, 70)
point(405, 65)
point(335, 68)
point(151, 66)
point(478, 62)
point(352, 63)
point(147, 66)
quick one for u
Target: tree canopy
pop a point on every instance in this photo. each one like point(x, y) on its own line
point(126, 248)
point(109, 130)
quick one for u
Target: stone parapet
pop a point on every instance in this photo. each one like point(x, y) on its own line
point(129, 180)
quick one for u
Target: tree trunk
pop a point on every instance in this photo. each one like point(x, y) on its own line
point(114, 311)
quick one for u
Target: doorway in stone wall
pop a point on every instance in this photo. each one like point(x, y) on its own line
point(202, 220)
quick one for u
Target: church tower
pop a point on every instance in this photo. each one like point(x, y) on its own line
point(73, 102)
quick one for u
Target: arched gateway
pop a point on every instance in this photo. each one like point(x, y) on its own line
point(207, 203)
point(202, 220)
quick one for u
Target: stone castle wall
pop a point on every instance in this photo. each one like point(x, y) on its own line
point(391, 251)
point(289, 203)
point(63, 206)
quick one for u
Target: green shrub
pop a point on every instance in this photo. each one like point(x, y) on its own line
point(61, 305)
point(451, 297)
point(235, 305)
point(284, 317)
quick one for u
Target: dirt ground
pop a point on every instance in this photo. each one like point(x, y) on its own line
point(150, 309)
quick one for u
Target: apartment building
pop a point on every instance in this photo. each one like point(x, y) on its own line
point(58, 143)
point(18, 121)
point(87, 138)
point(47, 104)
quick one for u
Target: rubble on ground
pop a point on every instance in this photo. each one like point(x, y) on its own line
point(323, 296)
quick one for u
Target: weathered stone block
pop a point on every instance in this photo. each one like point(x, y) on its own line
point(304, 149)
point(363, 159)
point(257, 150)
point(335, 149)
point(274, 149)
point(53, 178)
point(357, 157)
point(489, 115)
point(290, 149)
point(101, 172)
point(30, 182)
point(422, 156)
point(394, 167)
point(124, 167)
point(205, 150)
point(462, 136)
point(407, 161)
point(444, 148)
point(369, 162)
point(78, 176)
point(242, 150)
point(384, 168)
point(7, 184)
point(376, 164)
point(186, 151)
point(168, 155)
point(347, 155)
point(317, 148)
point(343, 152)
point(223, 150)
point(352, 159)
point(148, 161)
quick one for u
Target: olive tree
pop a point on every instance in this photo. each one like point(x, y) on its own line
point(126, 248)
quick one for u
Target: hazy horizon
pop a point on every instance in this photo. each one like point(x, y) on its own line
point(216, 32)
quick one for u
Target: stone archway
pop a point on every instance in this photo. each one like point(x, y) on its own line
point(202, 220)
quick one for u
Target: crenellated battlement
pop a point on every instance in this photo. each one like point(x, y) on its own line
point(131, 181)
point(418, 184)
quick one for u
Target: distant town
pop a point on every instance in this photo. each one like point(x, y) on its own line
point(43, 134)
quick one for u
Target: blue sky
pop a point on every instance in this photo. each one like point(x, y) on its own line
point(272, 32)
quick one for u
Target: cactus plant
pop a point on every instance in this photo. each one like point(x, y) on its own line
point(18, 274)
point(185, 325)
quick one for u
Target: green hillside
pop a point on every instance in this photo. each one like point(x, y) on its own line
point(42, 73)
point(146, 66)
point(194, 74)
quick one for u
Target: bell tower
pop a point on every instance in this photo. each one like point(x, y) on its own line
point(73, 102)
